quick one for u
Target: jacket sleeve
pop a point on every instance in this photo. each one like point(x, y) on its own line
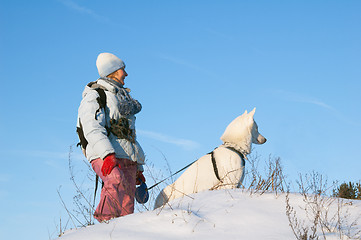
point(94, 128)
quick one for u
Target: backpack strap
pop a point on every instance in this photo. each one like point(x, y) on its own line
point(102, 99)
point(96, 188)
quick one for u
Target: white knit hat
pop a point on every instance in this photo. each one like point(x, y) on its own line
point(108, 63)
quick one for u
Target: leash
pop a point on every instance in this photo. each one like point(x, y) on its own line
point(171, 175)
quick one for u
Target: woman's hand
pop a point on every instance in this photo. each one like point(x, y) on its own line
point(109, 163)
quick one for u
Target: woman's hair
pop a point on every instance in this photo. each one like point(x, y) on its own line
point(112, 75)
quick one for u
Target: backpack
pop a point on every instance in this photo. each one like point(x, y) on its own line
point(102, 101)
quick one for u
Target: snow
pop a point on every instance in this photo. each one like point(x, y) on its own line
point(221, 214)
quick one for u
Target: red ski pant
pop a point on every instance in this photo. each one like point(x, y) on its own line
point(117, 195)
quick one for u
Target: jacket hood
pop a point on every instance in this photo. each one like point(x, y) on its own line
point(109, 87)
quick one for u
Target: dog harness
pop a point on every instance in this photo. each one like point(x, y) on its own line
point(215, 164)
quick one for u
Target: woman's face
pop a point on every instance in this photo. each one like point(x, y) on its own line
point(120, 75)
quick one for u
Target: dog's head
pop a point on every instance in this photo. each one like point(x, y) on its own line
point(243, 131)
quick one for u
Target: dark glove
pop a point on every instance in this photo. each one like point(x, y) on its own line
point(140, 178)
point(109, 163)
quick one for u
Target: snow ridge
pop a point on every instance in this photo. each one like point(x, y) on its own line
point(221, 214)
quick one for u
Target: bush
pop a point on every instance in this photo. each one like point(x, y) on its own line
point(348, 191)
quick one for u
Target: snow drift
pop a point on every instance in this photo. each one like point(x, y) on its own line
point(222, 214)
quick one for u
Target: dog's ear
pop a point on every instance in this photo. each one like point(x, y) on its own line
point(245, 112)
point(252, 112)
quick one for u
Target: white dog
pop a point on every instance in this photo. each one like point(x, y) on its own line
point(222, 168)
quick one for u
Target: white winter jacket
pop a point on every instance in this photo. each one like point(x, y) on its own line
point(94, 121)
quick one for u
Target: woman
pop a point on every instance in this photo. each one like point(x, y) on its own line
point(106, 118)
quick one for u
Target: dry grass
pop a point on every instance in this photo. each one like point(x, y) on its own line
point(321, 217)
point(270, 179)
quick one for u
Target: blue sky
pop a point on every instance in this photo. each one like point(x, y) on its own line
point(194, 66)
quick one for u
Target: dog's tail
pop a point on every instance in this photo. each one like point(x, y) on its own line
point(161, 199)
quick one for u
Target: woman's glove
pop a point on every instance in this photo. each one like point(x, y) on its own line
point(140, 178)
point(109, 163)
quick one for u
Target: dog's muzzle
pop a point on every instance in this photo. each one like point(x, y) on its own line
point(261, 139)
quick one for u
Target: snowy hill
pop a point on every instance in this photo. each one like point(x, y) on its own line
point(227, 214)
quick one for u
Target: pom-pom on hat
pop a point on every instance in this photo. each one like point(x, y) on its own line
point(108, 63)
